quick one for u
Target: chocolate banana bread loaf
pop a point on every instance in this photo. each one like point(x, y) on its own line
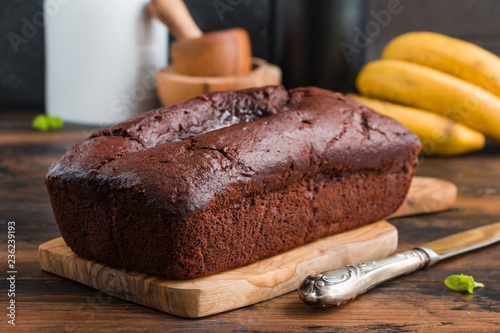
point(228, 178)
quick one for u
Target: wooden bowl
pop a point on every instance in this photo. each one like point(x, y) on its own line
point(217, 53)
point(173, 88)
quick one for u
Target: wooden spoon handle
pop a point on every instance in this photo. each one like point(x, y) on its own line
point(175, 15)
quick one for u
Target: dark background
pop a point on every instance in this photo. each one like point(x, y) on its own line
point(303, 37)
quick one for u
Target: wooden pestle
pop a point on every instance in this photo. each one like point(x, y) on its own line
point(218, 53)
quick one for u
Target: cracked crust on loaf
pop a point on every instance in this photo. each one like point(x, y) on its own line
point(229, 178)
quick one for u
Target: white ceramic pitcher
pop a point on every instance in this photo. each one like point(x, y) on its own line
point(101, 59)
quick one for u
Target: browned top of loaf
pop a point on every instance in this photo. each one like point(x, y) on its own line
point(172, 160)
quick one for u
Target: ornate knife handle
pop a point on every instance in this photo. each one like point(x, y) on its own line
point(340, 285)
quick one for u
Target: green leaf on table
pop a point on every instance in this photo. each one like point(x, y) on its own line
point(55, 122)
point(40, 123)
point(46, 123)
point(462, 283)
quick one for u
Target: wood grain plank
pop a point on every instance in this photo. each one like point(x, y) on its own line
point(427, 195)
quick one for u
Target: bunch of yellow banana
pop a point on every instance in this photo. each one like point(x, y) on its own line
point(433, 72)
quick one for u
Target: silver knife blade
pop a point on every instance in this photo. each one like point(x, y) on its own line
point(340, 285)
point(465, 241)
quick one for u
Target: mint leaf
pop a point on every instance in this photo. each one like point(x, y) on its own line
point(46, 123)
point(40, 123)
point(462, 283)
point(55, 122)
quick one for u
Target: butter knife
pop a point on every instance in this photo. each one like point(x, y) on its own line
point(337, 286)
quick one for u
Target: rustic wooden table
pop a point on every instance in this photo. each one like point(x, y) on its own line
point(417, 302)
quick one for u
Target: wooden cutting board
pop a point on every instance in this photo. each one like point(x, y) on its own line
point(253, 283)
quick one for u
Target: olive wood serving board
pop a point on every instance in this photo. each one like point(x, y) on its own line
point(259, 281)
